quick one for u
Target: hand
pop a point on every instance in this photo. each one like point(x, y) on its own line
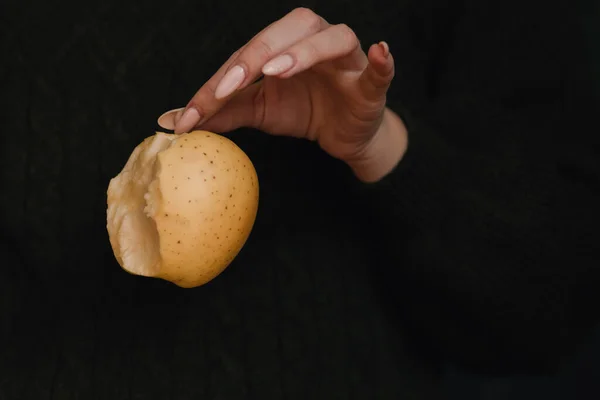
point(318, 84)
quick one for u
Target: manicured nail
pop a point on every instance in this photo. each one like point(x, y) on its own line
point(188, 120)
point(169, 119)
point(230, 82)
point(278, 65)
point(385, 48)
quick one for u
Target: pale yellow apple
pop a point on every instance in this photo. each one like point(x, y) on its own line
point(183, 207)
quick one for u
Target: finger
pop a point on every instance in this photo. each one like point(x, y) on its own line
point(245, 66)
point(292, 28)
point(169, 119)
point(245, 109)
point(379, 73)
point(333, 43)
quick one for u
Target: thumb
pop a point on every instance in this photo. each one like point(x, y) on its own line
point(377, 77)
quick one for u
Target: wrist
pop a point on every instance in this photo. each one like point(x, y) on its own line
point(384, 151)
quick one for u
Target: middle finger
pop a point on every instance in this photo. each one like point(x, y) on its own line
point(245, 67)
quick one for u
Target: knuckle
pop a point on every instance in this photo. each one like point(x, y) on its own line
point(311, 51)
point(308, 17)
point(348, 36)
point(235, 54)
point(211, 89)
point(260, 50)
point(203, 100)
point(304, 12)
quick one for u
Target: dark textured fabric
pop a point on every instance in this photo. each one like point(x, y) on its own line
point(496, 201)
point(293, 317)
point(309, 308)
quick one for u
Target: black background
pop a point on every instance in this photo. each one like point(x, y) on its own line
point(82, 84)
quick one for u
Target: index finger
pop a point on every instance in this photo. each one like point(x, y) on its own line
point(245, 65)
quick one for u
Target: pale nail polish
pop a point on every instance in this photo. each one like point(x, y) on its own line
point(385, 48)
point(230, 82)
point(168, 119)
point(188, 120)
point(278, 65)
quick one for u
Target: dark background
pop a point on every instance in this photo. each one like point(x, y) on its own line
point(82, 83)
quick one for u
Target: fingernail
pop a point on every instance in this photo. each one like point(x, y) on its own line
point(188, 120)
point(385, 48)
point(278, 65)
point(230, 82)
point(169, 119)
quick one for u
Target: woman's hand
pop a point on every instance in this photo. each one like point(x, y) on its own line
point(318, 84)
